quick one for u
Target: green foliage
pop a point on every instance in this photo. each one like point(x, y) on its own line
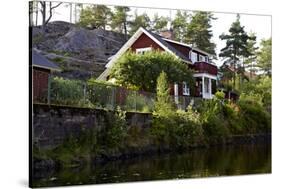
point(179, 25)
point(237, 46)
point(95, 16)
point(66, 91)
point(119, 19)
point(138, 21)
point(141, 71)
point(265, 56)
point(219, 95)
point(213, 123)
point(254, 117)
point(101, 94)
point(260, 87)
point(163, 102)
point(199, 33)
point(171, 127)
point(136, 102)
point(116, 130)
point(159, 23)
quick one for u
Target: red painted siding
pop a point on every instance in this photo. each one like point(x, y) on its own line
point(40, 84)
point(144, 41)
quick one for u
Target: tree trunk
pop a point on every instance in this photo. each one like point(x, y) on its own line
point(43, 11)
point(36, 14)
point(125, 30)
point(70, 15)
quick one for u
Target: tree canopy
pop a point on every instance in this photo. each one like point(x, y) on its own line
point(138, 21)
point(95, 16)
point(159, 23)
point(179, 25)
point(199, 33)
point(119, 19)
point(236, 47)
point(264, 56)
point(140, 71)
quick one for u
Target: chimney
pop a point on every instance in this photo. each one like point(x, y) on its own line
point(168, 34)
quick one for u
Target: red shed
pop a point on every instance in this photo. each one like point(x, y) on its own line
point(41, 70)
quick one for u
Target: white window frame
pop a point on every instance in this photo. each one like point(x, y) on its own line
point(202, 58)
point(185, 89)
point(193, 56)
point(143, 50)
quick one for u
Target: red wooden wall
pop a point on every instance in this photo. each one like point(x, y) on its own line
point(144, 41)
point(40, 83)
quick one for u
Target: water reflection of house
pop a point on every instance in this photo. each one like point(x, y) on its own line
point(41, 70)
point(196, 59)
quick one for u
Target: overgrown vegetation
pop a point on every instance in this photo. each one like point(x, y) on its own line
point(67, 92)
point(140, 71)
point(212, 122)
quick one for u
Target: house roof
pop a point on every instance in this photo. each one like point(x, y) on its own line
point(162, 42)
point(170, 47)
point(40, 61)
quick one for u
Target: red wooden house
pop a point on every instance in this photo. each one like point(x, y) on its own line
point(41, 70)
point(196, 59)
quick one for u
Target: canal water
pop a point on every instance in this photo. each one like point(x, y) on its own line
point(214, 161)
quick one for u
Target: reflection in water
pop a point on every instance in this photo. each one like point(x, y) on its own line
point(215, 161)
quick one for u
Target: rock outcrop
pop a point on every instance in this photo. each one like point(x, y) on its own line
point(81, 53)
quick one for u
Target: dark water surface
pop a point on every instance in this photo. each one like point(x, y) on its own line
point(214, 161)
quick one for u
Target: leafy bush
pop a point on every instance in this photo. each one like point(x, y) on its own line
point(212, 118)
point(171, 127)
point(141, 70)
point(255, 119)
point(139, 103)
point(101, 94)
point(116, 130)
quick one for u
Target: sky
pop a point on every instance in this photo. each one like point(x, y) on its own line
point(259, 24)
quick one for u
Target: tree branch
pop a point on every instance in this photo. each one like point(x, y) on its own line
point(51, 11)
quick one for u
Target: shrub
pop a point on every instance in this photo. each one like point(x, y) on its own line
point(116, 130)
point(255, 118)
point(141, 70)
point(101, 94)
point(212, 119)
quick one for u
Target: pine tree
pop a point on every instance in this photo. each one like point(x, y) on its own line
point(264, 58)
point(96, 16)
point(250, 62)
point(120, 19)
point(236, 47)
point(159, 23)
point(142, 20)
point(199, 32)
point(179, 25)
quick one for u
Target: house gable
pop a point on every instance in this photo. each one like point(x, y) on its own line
point(144, 41)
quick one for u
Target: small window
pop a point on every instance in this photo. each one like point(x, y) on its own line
point(202, 58)
point(194, 57)
point(143, 50)
point(185, 89)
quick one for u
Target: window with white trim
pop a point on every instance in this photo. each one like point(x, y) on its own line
point(202, 58)
point(143, 50)
point(193, 57)
point(185, 89)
